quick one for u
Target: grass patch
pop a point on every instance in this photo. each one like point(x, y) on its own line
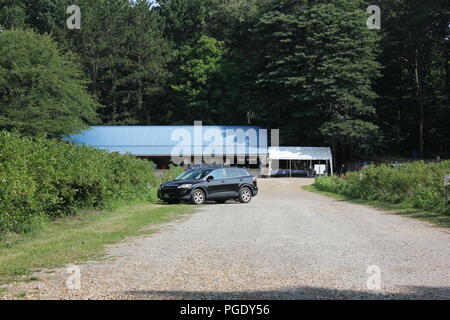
point(73, 240)
point(437, 219)
point(20, 295)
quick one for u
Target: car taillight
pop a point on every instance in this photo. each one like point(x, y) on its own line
point(254, 179)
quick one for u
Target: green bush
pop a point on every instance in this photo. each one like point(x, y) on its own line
point(417, 184)
point(41, 178)
point(171, 174)
point(166, 176)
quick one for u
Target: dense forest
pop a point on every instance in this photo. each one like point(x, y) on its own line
point(311, 68)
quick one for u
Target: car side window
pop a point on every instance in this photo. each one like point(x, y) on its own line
point(244, 172)
point(218, 174)
point(233, 172)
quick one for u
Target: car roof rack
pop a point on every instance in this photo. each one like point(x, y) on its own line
point(205, 166)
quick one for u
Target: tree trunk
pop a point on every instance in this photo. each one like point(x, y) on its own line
point(351, 150)
point(419, 98)
point(140, 94)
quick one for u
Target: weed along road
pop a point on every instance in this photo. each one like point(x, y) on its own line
point(288, 243)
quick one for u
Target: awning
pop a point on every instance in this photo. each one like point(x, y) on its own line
point(300, 153)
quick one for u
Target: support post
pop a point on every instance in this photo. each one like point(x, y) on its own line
point(446, 195)
point(446, 184)
point(290, 168)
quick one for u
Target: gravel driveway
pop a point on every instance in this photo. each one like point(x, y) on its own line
point(286, 244)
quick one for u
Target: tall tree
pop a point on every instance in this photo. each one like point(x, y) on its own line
point(412, 90)
point(228, 21)
point(41, 90)
point(185, 20)
point(122, 49)
point(195, 83)
point(12, 14)
point(318, 63)
point(43, 16)
point(145, 71)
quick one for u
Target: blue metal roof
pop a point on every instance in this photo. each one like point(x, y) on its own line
point(160, 140)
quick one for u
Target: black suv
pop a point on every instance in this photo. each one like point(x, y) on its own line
point(218, 184)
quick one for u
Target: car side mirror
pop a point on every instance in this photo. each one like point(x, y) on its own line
point(210, 178)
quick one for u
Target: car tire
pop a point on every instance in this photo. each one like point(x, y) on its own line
point(198, 197)
point(245, 195)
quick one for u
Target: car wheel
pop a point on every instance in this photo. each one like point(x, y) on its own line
point(245, 195)
point(198, 196)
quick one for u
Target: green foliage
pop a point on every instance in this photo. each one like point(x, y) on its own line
point(41, 90)
point(124, 54)
point(195, 81)
point(185, 20)
point(419, 185)
point(43, 16)
point(317, 64)
point(145, 71)
point(364, 134)
point(415, 88)
point(231, 20)
point(309, 67)
point(166, 176)
point(12, 14)
point(48, 178)
point(171, 174)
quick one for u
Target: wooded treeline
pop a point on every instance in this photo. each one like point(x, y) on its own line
point(311, 68)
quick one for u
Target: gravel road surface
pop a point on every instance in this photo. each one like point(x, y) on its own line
point(287, 243)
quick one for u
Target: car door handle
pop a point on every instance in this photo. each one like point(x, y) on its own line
point(223, 181)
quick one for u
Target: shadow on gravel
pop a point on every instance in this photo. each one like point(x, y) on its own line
point(301, 293)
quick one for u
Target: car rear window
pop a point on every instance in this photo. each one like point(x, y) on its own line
point(236, 172)
point(245, 172)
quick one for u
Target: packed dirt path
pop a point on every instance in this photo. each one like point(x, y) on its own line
point(287, 243)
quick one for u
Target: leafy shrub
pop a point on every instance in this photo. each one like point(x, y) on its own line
point(171, 174)
point(166, 176)
point(41, 177)
point(417, 184)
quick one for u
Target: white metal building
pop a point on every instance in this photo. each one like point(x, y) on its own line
point(289, 161)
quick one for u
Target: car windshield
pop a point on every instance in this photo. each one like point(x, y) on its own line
point(193, 175)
